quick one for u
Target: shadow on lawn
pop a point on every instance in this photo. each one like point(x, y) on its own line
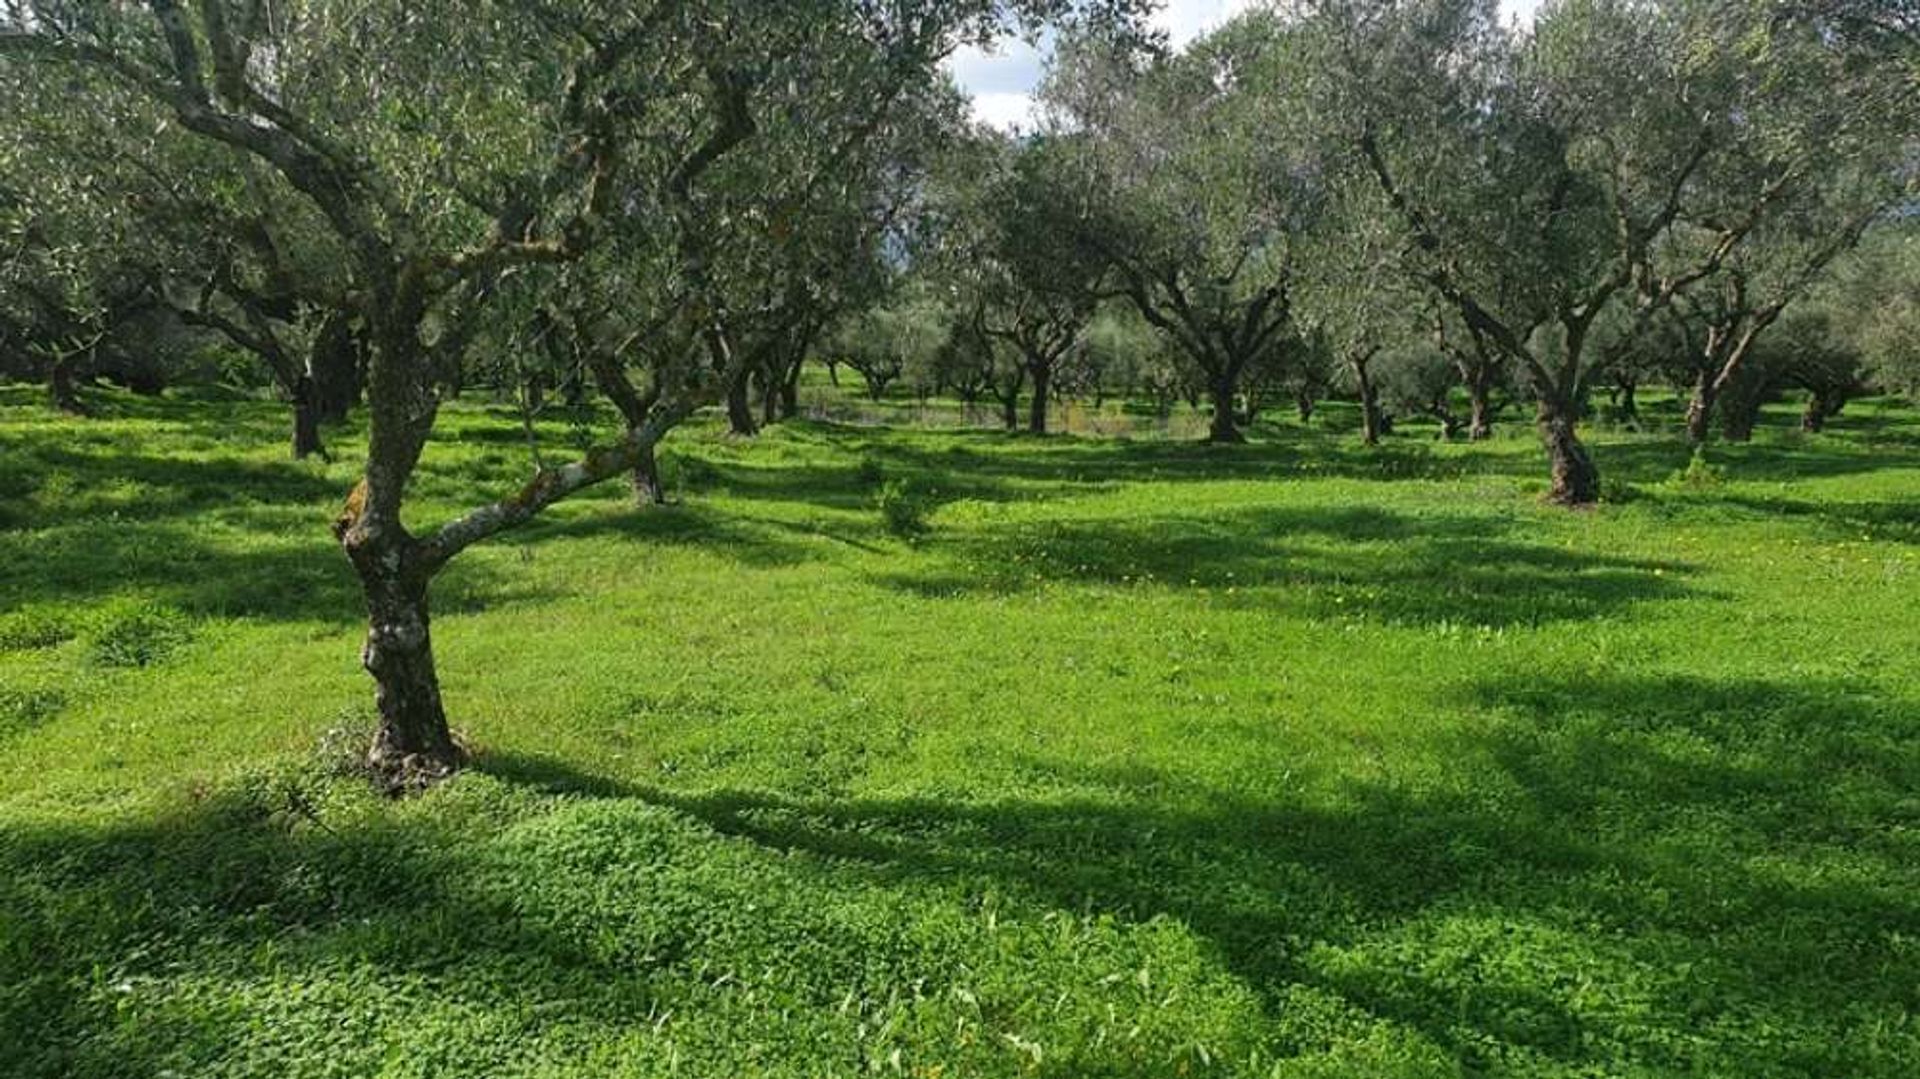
point(115, 484)
point(1662, 873)
point(1680, 873)
point(302, 580)
point(1889, 521)
point(1382, 566)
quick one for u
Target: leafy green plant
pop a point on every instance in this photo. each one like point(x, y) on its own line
point(1616, 491)
point(902, 507)
point(138, 633)
point(1700, 474)
point(32, 628)
point(23, 709)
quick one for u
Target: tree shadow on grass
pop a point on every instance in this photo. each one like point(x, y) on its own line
point(128, 486)
point(1381, 566)
point(1886, 521)
point(1626, 873)
point(1294, 453)
point(205, 577)
point(742, 538)
point(1668, 873)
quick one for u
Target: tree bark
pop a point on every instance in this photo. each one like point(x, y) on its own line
point(647, 488)
point(1009, 398)
point(1480, 409)
point(61, 393)
point(1625, 399)
point(1700, 408)
point(790, 392)
point(1822, 405)
point(1740, 417)
point(769, 401)
point(1370, 425)
point(413, 746)
point(739, 407)
point(1576, 482)
point(1042, 388)
point(336, 368)
point(1223, 429)
point(306, 421)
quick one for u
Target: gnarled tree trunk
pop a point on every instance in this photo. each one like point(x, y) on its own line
point(61, 393)
point(1822, 405)
point(1042, 389)
point(740, 407)
point(413, 745)
point(1706, 393)
point(790, 393)
point(1370, 418)
point(1738, 420)
point(336, 368)
point(1575, 480)
point(769, 401)
point(1225, 387)
point(1625, 398)
point(1480, 412)
point(647, 488)
point(306, 421)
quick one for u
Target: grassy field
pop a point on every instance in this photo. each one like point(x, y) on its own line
point(1143, 758)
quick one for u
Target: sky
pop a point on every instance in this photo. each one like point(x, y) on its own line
point(1002, 81)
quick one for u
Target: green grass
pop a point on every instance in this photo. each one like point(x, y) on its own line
point(1134, 758)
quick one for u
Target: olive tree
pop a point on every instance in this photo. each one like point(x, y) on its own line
point(1192, 194)
point(449, 146)
point(1535, 174)
point(1011, 237)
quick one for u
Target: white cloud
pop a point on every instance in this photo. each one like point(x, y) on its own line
point(1002, 81)
point(1006, 111)
point(1184, 20)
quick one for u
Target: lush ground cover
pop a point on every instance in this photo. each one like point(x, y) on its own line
point(1138, 758)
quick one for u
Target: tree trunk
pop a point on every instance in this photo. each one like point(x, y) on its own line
point(790, 392)
point(1822, 405)
point(1303, 404)
point(1624, 399)
point(1700, 408)
point(1479, 402)
point(335, 367)
point(306, 421)
point(1223, 428)
point(1370, 425)
point(1739, 418)
point(1009, 398)
point(413, 746)
point(60, 389)
point(1576, 482)
point(769, 401)
point(739, 408)
point(647, 488)
point(1814, 417)
point(1037, 406)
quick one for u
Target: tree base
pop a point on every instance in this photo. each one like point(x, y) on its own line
point(398, 774)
